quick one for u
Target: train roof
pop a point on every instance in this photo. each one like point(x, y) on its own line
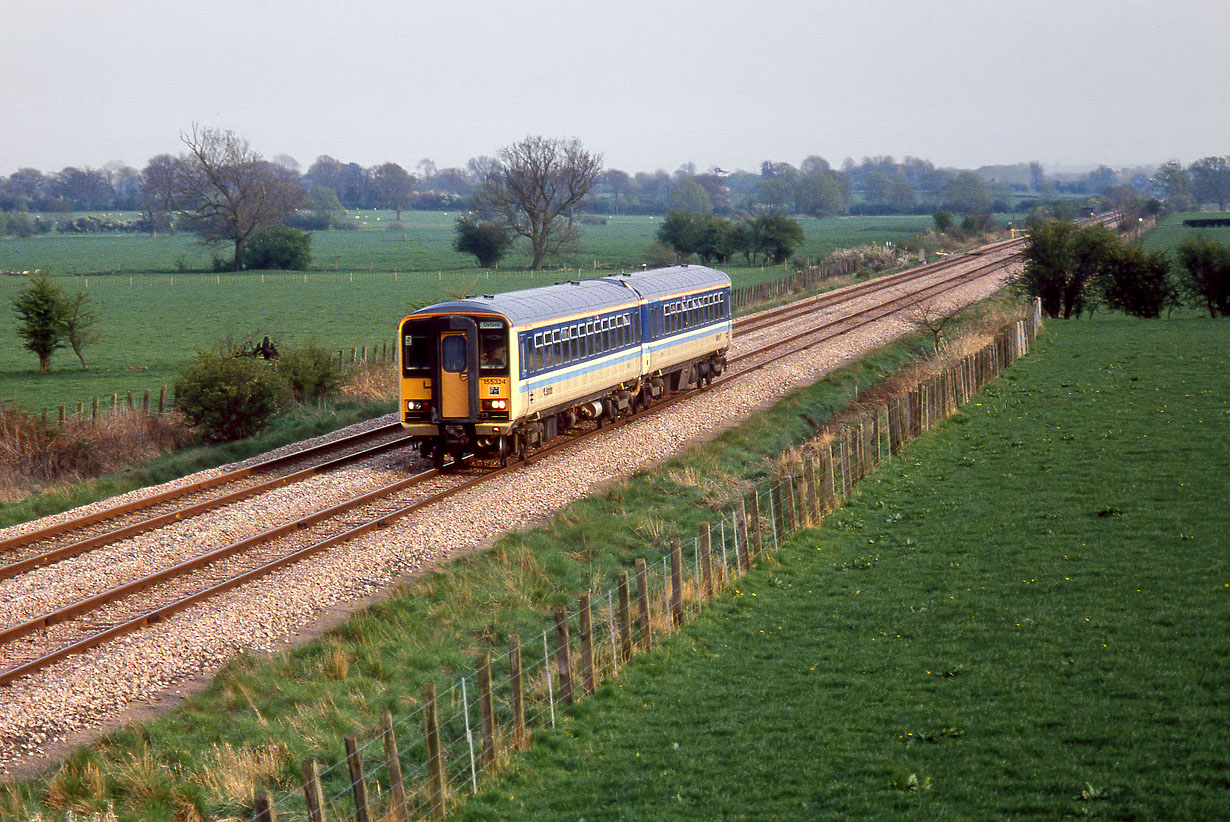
point(533, 305)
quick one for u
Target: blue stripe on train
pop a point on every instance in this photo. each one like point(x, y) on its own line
point(565, 372)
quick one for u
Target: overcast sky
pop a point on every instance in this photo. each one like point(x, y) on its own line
point(648, 83)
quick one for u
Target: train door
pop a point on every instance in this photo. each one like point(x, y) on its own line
point(455, 389)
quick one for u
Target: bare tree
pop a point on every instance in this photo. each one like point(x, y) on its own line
point(927, 315)
point(161, 180)
point(534, 187)
point(229, 192)
point(394, 185)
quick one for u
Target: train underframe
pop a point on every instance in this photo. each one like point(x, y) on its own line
point(624, 400)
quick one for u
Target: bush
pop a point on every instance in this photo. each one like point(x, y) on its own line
point(1204, 274)
point(1137, 282)
point(488, 242)
point(279, 246)
point(311, 372)
point(229, 398)
point(943, 220)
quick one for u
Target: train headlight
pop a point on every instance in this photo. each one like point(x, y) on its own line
point(417, 405)
point(495, 405)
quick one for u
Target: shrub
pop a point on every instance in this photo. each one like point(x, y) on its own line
point(310, 371)
point(279, 246)
point(488, 242)
point(229, 398)
point(1137, 282)
point(943, 220)
point(1204, 274)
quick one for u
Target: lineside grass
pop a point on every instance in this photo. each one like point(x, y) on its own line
point(1025, 618)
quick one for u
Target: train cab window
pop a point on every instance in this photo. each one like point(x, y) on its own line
point(416, 349)
point(492, 350)
point(453, 356)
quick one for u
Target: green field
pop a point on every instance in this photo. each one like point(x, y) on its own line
point(1170, 232)
point(1024, 619)
point(152, 315)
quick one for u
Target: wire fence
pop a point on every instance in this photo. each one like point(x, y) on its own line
point(423, 762)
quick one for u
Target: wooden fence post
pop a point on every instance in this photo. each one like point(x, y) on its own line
point(642, 599)
point(486, 714)
point(624, 617)
point(518, 694)
point(706, 559)
point(162, 399)
point(313, 794)
point(755, 537)
point(563, 654)
point(435, 755)
point(397, 786)
point(145, 402)
point(587, 645)
point(263, 807)
point(354, 761)
point(744, 530)
point(676, 581)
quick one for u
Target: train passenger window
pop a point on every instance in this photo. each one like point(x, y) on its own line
point(453, 358)
point(556, 346)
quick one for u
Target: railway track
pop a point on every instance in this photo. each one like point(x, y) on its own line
point(76, 624)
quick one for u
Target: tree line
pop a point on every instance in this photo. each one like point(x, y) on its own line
point(874, 185)
point(1073, 270)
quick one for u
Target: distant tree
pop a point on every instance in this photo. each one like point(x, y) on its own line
point(813, 164)
point(40, 318)
point(394, 186)
point(1211, 180)
point(968, 193)
point(278, 246)
point(1204, 274)
point(80, 322)
point(621, 187)
point(878, 189)
point(229, 192)
point(1173, 183)
point(161, 187)
point(321, 211)
point(681, 230)
point(534, 188)
point(775, 192)
point(1062, 261)
point(487, 241)
point(690, 196)
point(818, 195)
point(1037, 179)
point(1136, 282)
point(775, 235)
point(86, 189)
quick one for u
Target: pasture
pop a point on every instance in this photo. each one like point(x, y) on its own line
point(157, 300)
point(1170, 232)
point(1023, 619)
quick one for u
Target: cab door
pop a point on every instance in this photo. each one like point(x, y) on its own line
point(455, 390)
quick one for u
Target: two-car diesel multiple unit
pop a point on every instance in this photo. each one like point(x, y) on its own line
point(500, 374)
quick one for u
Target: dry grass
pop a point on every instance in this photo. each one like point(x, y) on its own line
point(35, 454)
point(234, 773)
point(75, 788)
point(371, 381)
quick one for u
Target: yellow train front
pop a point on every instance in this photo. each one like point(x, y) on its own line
point(501, 374)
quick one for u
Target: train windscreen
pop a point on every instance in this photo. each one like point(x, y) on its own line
point(416, 348)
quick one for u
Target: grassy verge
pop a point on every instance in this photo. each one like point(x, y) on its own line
point(1023, 619)
point(302, 423)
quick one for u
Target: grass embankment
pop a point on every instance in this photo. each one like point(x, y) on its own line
point(1025, 618)
point(261, 718)
point(303, 422)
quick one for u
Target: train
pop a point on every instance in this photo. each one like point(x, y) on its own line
point(498, 375)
